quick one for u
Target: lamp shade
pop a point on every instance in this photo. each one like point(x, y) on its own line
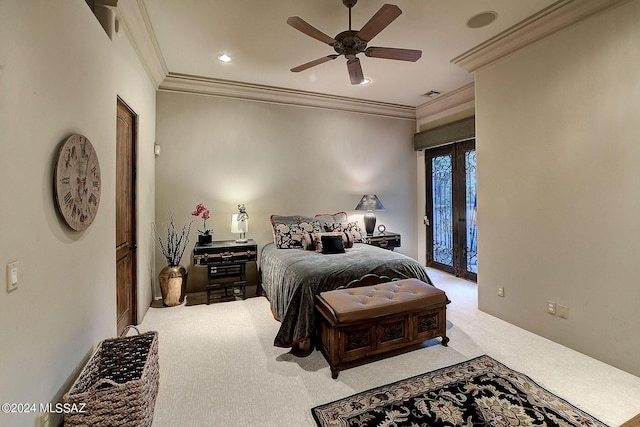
point(370, 202)
point(239, 226)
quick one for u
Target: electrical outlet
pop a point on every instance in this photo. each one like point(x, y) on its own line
point(500, 291)
point(551, 307)
point(563, 311)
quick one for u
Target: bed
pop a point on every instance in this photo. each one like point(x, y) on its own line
point(291, 278)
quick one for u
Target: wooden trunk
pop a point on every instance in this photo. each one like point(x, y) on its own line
point(348, 344)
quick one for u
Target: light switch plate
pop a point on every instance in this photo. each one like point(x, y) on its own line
point(12, 276)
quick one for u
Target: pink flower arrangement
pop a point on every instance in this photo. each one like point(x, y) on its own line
point(202, 210)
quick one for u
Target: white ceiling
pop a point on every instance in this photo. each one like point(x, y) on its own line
point(191, 34)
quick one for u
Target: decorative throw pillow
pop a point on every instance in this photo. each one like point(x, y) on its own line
point(308, 219)
point(306, 231)
point(333, 226)
point(284, 219)
point(339, 217)
point(357, 233)
point(287, 236)
point(347, 242)
point(332, 244)
point(307, 242)
point(317, 239)
point(312, 226)
point(281, 232)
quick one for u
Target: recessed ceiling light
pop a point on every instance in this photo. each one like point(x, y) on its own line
point(223, 57)
point(366, 81)
point(482, 19)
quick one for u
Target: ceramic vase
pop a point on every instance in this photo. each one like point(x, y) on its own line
point(173, 285)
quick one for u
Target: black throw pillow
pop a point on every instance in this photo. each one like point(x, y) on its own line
point(332, 245)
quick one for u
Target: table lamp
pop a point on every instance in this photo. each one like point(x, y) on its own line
point(240, 223)
point(369, 203)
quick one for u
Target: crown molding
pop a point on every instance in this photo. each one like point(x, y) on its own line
point(137, 25)
point(184, 83)
point(447, 101)
point(556, 17)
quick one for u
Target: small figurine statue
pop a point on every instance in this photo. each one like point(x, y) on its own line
point(243, 215)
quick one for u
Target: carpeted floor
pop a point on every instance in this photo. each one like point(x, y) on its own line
point(480, 391)
point(218, 365)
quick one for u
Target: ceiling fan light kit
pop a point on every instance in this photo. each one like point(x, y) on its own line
point(351, 42)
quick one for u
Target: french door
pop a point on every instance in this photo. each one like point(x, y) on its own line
point(452, 243)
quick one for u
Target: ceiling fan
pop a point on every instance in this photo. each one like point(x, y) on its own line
point(351, 42)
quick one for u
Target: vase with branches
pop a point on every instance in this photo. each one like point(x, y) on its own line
point(173, 277)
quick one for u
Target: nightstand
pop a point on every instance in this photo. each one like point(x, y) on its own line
point(226, 260)
point(386, 240)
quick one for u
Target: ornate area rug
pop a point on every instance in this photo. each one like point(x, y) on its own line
point(478, 392)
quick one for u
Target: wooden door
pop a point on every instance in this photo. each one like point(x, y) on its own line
point(126, 299)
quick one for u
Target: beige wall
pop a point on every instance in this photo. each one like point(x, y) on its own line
point(558, 196)
point(60, 74)
point(279, 159)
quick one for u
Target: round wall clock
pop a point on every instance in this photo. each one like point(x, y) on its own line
point(77, 182)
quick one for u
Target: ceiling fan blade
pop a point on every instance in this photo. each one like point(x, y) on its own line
point(355, 71)
point(314, 63)
point(303, 26)
point(378, 22)
point(393, 53)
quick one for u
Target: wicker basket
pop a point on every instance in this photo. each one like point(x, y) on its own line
point(119, 384)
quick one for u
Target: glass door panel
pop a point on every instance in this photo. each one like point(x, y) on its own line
point(471, 203)
point(442, 180)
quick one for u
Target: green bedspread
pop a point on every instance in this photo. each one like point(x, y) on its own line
point(291, 278)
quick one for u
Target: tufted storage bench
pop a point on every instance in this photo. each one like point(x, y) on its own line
point(361, 324)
